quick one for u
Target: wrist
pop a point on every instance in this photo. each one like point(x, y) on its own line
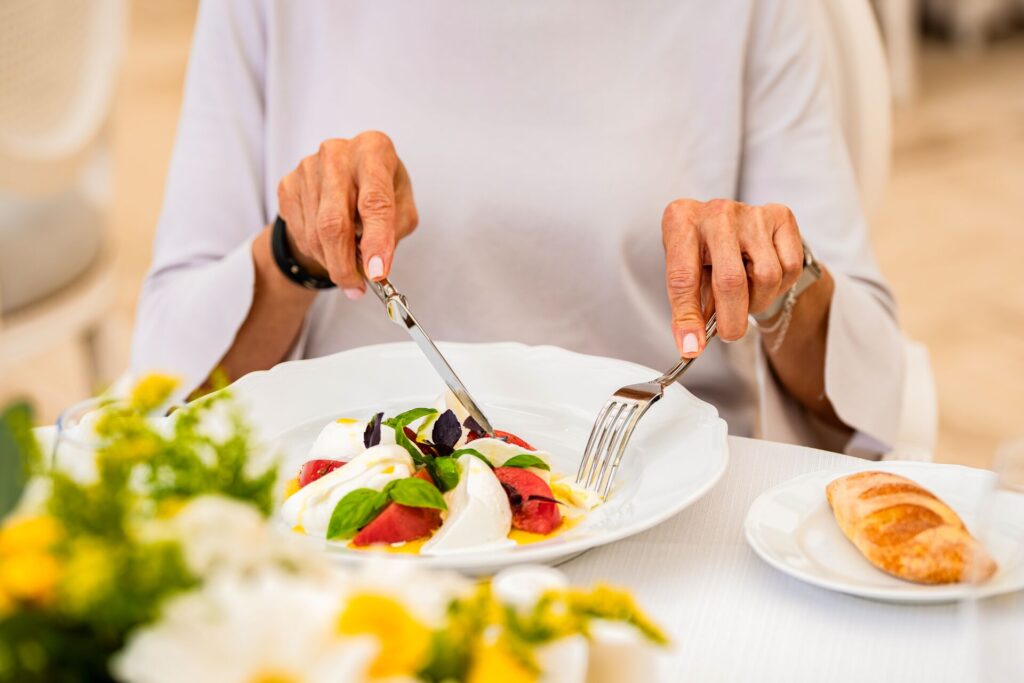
point(269, 275)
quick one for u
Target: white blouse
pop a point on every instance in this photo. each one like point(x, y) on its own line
point(544, 138)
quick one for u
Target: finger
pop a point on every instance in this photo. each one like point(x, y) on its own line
point(336, 226)
point(762, 262)
point(788, 246)
point(289, 206)
point(376, 204)
point(408, 216)
point(310, 196)
point(683, 276)
point(728, 276)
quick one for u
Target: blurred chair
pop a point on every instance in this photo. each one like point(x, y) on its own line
point(860, 90)
point(59, 62)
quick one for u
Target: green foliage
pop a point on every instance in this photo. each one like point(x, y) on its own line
point(475, 453)
point(416, 493)
point(361, 506)
point(19, 454)
point(400, 422)
point(445, 471)
point(526, 460)
point(354, 511)
point(110, 578)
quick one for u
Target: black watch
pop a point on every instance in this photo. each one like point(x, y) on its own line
point(285, 260)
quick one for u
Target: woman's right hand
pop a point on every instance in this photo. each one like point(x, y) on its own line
point(348, 186)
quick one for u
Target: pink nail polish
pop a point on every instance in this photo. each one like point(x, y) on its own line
point(354, 294)
point(375, 268)
point(690, 343)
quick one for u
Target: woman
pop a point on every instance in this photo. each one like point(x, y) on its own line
point(547, 143)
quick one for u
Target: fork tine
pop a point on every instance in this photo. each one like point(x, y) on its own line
point(623, 442)
point(614, 446)
point(587, 452)
point(606, 429)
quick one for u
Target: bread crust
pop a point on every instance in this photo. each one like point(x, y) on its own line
point(905, 530)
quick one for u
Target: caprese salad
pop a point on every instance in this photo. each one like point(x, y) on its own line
point(429, 481)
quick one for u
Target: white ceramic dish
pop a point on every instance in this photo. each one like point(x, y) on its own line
point(792, 528)
point(547, 395)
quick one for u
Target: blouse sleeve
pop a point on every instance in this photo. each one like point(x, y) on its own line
point(200, 285)
point(794, 154)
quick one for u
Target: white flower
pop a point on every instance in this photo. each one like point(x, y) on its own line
point(220, 534)
point(267, 627)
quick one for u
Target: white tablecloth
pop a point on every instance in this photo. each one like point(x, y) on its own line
point(734, 618)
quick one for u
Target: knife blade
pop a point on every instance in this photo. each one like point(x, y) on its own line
point(399, 313)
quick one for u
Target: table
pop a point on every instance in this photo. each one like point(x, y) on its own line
point(734, 618)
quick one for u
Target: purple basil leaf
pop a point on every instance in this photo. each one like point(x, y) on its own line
point(474, 427)
point(371, 437)
point(425, 448)
point(446, 433)
point(546, 499)
point(515, 499)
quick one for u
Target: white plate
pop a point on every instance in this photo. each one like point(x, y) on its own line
point(792, 528)
point(545, 394)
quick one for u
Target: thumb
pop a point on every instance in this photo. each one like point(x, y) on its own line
point(684, 295)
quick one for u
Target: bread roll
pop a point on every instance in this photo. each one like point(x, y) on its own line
point(906, 531)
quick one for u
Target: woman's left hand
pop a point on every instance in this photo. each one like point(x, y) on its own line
point(743, 256)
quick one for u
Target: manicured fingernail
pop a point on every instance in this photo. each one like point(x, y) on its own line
point(354, 294)
point(690, 343)
point(375, 268)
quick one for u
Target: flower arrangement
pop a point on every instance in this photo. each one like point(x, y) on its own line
point(162, 567)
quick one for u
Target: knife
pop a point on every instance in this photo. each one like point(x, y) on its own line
point(398, 311)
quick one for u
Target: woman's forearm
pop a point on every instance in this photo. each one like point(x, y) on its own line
point(799, 363)
point(274, 319)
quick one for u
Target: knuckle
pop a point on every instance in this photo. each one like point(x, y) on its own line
point(682, 281)
point(780, 212)
point(730, 330)
point(677, 209)
point(332, 224)
point(766, 275)
point(376, 203)
point(376, 140)
point(792, 263)
point(730, 279)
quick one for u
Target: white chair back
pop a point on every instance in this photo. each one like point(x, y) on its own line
point(863, 102)
point(861, 94)
point(58, 69)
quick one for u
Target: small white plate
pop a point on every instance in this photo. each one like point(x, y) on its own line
point(547, 395)
point(792, 528)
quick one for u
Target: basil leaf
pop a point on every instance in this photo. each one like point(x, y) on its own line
point(474, 452)
point(446, 473)
point(446, 432)
point(371, 437)
point(403, 440)
point(357, 509)
point(410, 416)
point(526, 460)
point(417, 493)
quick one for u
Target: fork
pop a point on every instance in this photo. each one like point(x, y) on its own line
point(617, 420)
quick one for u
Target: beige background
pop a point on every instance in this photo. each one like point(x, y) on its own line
point(948, 235)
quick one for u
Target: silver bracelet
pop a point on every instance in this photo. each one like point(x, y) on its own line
point(781, 325)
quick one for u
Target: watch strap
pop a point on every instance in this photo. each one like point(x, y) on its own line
point(285, 260)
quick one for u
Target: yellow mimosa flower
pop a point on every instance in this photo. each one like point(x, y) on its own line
point(494, 664)
point(403, 639)
point(87, 573)
point(28, 534)
point(152, 391)
point(29, 576)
